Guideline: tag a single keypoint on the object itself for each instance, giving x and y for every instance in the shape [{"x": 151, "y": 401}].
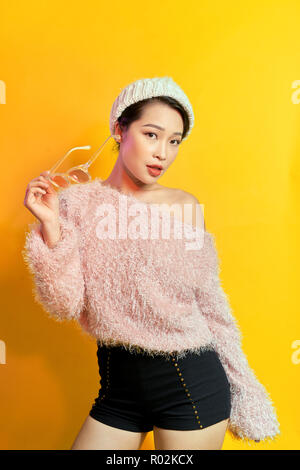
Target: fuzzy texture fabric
[{"x": 146, "y": 293}]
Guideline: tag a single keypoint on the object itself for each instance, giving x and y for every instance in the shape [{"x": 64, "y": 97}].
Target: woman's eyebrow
[{"x": 161, "y": 128}]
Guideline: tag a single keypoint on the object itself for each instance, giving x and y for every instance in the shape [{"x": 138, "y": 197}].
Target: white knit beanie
[{"x": 148, "y": 88}]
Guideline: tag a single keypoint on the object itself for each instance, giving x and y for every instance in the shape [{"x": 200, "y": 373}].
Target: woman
[{"x": 169, "y": 350}]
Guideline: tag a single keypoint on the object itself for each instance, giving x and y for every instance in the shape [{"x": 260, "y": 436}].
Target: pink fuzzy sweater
[{"x": 150, "y": 290}]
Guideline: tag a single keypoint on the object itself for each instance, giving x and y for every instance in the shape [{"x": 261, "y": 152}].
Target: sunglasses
[{"x": 77, "y": 174}]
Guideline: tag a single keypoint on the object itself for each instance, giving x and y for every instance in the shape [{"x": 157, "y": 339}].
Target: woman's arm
[
  {"x": 252, "y": 414},
  {"x": 58, "y": 278}
]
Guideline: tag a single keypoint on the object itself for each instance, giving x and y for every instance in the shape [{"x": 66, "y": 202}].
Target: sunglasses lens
[
  {"x": 79, "y": 176},
  {"x": 60, "y": 181}
]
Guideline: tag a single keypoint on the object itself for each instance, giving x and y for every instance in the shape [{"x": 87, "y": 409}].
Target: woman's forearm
[{"x": 51, "y": 232}]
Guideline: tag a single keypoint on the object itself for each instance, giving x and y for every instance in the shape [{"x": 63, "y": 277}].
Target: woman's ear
[{"x": 117, "y": 132}]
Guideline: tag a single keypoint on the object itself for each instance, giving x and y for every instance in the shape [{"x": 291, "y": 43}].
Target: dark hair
[{"x": 134, "y": 112}]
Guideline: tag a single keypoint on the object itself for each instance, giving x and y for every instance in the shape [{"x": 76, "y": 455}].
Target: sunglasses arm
[
  {"x": 95, "y": 155},
  {"x": 85, "y": 147}
]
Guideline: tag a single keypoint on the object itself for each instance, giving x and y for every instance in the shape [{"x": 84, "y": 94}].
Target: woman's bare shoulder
[{"x": 194, "y": 216}]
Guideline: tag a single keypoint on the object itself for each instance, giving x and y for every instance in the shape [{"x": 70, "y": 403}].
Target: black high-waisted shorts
[{"x": 139, "y": 391}]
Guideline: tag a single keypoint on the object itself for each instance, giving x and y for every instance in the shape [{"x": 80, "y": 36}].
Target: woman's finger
[
  {"x": 38, "y": 190},
  {"x": 35, "y": 183}
]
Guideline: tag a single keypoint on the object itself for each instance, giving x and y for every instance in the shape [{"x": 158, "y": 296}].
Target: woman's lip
[{"x": 153, "y": 171}]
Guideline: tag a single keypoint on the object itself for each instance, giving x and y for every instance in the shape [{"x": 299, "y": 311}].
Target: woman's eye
[
  {"x": 153, "y": 133},
  {"x": 150, "y": 133}
]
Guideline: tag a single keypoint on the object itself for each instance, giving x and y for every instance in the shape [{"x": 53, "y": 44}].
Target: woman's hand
[{"x": 42, "y": 200}]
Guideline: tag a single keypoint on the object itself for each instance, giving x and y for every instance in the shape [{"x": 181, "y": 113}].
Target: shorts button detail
[
  {"x": 107, "y": 376},
  {"x": 188, "y": 394}
]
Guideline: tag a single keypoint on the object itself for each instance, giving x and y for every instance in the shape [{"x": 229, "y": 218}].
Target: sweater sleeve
[
  {"x": 252, "y": 414},
  {"x": 57, "y": 273}
]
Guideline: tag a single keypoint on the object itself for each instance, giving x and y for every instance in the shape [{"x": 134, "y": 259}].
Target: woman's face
[{"x": 143, "y": 144}]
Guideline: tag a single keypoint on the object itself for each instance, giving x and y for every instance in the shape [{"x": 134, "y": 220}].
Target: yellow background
[{"x": 63, "y": 64}]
